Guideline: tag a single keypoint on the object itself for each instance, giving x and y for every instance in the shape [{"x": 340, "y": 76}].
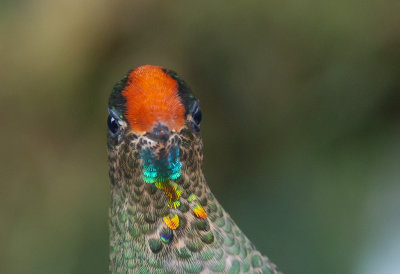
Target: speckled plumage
[{"x": 206, "y": 239}]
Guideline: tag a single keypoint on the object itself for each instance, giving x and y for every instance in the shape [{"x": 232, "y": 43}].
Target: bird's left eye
[
  {"x": 196, "y": 115},
  {"x": 113, "y": 124}
]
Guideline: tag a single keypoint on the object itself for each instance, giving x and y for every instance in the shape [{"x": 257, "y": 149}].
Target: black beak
[{"x": 160, "y": 133}]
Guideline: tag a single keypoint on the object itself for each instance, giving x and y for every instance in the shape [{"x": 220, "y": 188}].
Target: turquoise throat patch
[{"x": 166, "y": 168}]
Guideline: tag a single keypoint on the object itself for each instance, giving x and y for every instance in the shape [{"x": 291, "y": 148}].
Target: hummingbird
[{"x": 163, "y": 216}]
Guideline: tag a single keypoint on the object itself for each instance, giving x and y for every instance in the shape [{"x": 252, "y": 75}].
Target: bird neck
[
  {"x": 156, "y": 206},
  {"x": 151, "y": 234}
]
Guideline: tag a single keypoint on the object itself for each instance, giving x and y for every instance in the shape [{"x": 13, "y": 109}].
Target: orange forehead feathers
[{"x": 152, "y": 97}]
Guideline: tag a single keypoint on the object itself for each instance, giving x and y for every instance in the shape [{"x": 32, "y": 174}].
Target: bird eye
[
  {"x": 196, "y": 114},
  {"x": 113, "y": 124}
]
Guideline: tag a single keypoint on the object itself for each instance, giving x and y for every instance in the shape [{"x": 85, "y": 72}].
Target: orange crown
[{"x": 151, "y": 97}]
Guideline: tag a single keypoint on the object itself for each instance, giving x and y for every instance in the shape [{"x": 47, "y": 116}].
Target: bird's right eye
[{"x": 113, "y": 125}]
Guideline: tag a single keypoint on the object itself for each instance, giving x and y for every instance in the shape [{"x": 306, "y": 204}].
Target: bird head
[{"x": 154, "y": 125}]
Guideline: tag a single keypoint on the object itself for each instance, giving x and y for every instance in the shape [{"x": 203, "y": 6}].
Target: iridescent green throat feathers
[{"x": 163, "y": 216}]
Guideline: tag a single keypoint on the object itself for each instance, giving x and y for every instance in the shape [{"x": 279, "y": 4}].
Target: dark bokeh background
[{"x": 301, "y": 107}]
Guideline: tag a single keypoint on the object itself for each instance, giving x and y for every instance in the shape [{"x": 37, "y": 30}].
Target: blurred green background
[{"x": 301, "y": 105}]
